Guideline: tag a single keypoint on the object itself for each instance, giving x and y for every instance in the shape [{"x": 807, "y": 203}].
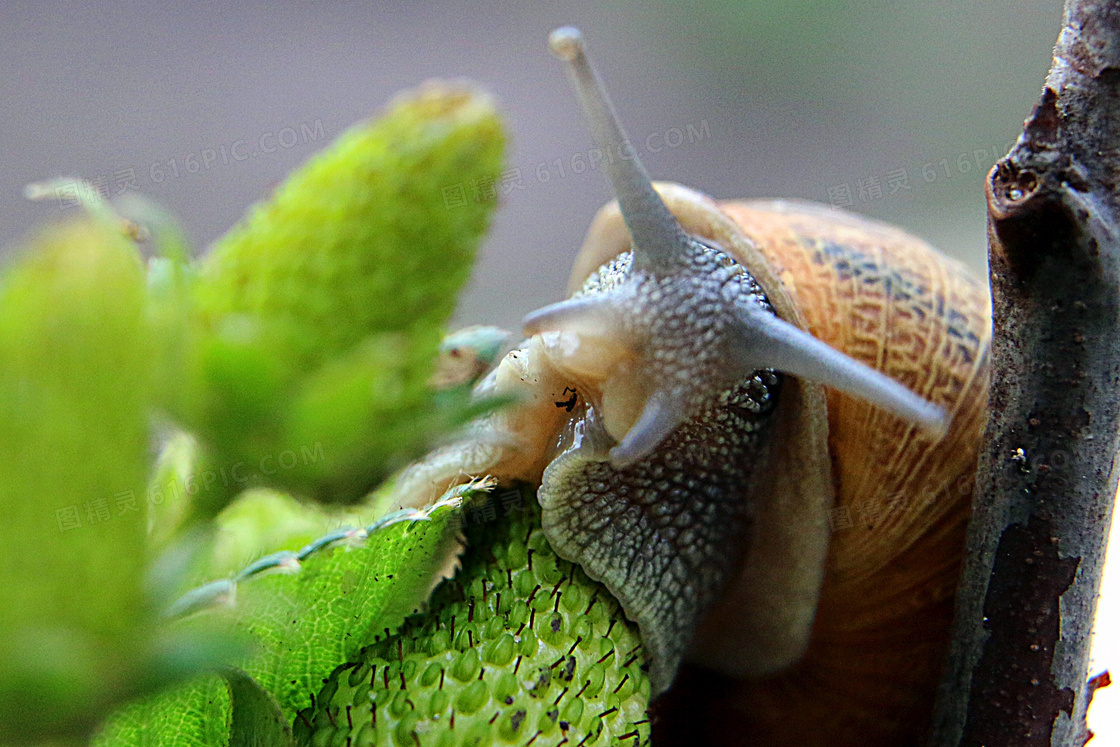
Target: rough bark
[{"x": 1017, "y": 673}]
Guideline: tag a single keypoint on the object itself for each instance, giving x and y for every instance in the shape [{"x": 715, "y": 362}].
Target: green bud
[
  {"x": 514, "y": 682},
  {"x": 318, "y": 318}
]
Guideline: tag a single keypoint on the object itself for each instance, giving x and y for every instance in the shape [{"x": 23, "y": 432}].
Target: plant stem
[{"x": 1018, "y": 664}]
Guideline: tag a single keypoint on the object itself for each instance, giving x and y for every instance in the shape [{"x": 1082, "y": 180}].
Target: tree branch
[{"x": 1019, "y": 658}]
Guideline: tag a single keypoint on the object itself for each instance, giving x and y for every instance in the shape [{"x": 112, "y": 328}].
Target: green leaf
[
  {"x": 320, "y": 315},
  {"x": 308, "y": 623},
  {"x": 259, "y": 521},
  {"x": 304, "y": 624},
  {"x": 75, "y": 383},
  {"x": 170, "y": 487},
  {"x": 196, "y": 714},
  {"x": 264, "y": 521},
  {"x": 257, "y": 720}
]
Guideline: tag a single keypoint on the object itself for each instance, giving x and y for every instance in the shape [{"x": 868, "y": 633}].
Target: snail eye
[{"x": 608, "y": 275}]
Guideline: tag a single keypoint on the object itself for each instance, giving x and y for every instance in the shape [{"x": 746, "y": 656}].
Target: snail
[{"x": 756, "y": 422}]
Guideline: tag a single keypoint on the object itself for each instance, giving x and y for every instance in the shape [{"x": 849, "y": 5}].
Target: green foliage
[
  {"x": 298, "y": 354},
  {"x": 308, "y": 622},
  {"x": 256, "y": 719},
  {"x": 190, "y": 715},
  {"x": 76, "y": 633},
  {"x": 519, "y": 645},
  {"x": 201, "y": 600},
  {"x": 320, "y": 315},
  {"x": 230, "y": 710},
  {"x": 306, "y": 611}
]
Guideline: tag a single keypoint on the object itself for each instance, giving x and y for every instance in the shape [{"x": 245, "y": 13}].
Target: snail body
[{"x": 755, "y": 423}]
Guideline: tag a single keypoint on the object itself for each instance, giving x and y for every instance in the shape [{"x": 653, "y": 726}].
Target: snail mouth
[
  {"x": 649, "y": 351},
  {"x": 606, "y": 371}
]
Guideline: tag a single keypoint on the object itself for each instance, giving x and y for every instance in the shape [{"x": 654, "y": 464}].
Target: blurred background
[{"x": 894, "y": 110}]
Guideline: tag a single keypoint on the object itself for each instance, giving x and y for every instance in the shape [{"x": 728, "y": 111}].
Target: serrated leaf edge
[{"x": 223, "y": 592}]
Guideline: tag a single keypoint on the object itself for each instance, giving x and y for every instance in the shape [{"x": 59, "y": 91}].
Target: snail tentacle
[
  {"x": 769, "y": 342},
  {"x": 652, "y": 350},
  {"x": 657, "y": 235},
  {"x": 661, "y": 414},
  {"x": 663, "y": 249},
  {"x": 592, "y": 315}
]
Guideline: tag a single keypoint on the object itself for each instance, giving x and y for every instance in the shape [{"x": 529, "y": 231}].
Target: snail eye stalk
[
  {"x": 749, "y": 338},
  {"x": 659, "y": 241}
]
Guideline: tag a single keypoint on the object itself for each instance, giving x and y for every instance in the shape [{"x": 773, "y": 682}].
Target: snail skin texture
[{"x": 756, "y": 422}]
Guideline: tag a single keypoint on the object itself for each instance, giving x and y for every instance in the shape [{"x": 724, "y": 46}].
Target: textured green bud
[
  {"x": 361, "y": 239},
  {"x": 499, "y": 650},
  {"x": 439, "y": 701},
  {"x": 522, "y": 673},
  {"x": 318, "y": 318},
  {"x": 472, "y": 697}
]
